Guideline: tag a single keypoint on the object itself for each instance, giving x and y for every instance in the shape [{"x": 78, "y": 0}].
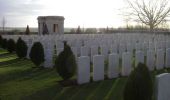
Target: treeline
[{"x": 135, "y": 29}]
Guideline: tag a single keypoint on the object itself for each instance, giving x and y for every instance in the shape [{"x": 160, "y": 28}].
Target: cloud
[
  {"x": 93, "y": 13},
  {"x": 19, "y": 7}
]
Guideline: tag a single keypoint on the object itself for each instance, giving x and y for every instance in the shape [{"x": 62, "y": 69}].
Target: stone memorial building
[{"x": 50, "y": 25}]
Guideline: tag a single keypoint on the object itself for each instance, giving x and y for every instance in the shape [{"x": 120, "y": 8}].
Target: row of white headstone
[
  {"x": 88, "y": 44},
  {"x": 137, "y": 41},
  {"x": 113, "y": 71},
  {"x": 153, "y": 47}
]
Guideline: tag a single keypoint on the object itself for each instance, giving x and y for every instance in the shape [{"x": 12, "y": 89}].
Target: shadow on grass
[
  {"x": 48, "y": 93},
  {"x": 80, "y": 92},
  {"x": 5, "y": 54},
  {"x": 9, "y": 62},
  {"x": 39, "y": 74},
  {"x": 24, "y": 71},
  {"x": 102, "y": 90},
  {"x": 28, "y": 74}
]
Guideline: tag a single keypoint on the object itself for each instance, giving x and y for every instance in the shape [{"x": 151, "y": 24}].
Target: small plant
[
  {"x": 21, "y": 48},
  {"x": 139, "y": 84},
  {"x": 66, "y": 63},
  {"x": 11, "y": 45},
  {"x": 37, "y": 54}
]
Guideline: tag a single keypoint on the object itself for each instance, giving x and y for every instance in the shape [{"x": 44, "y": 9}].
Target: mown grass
[
  {"x": 2, "y": 51},
  {"x": 20, "y": 81},
  {"x": 7, "y": 57}
]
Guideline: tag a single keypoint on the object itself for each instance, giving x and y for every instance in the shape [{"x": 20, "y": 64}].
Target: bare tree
[
  {"x": 3, "y": 24},
  {"x": 149, "y": 12}
]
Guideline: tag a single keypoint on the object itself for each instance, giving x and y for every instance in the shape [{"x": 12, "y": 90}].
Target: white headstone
[
  {"x": 151, "y": 46},
  {"x": 129, "y": 47},
  {"x": 163, "y": 86},
  {"x": 160, "y": 59},
  {"x": 114, "y": 48},
  {"x": 138, "y": 47},
  {"x": 84, "y": 51},
  {"x": 78, "y": 45},
  {"x": 150, "y": 60},
  {"x": 94, "y": 51},
  {"x": 145, "y": 48},
  {"x": 83, "y": 70},
  {"x": 105, "y": 51},
  {"x": 113, "y": 68},
  {"x": 122, "y": 48},
  {"x": 30, "y": 44},
  {"x": 168, "y": 57},
  {"x": 139, "y": 57},
  {"x": 126, "y": 64},
  {"x": 49, "y": 51},
  {"x": 98, "y": 67}
]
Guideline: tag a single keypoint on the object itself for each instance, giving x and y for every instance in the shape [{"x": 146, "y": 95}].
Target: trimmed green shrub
[
  {"x": 4, "y": 43},
  {"x": 1, "y": 41},
  {"x": 37, "y": 54},
  {"x": 11, "y": 45},
  {"x": 66, "y": 63},
  {"x": 139, "y": 84},
  {"x": 21, "y": 48},
  {"x": 27, "y": 32}
]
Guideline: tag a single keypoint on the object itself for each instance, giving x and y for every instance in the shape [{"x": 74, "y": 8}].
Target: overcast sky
[{"x": 87, "y": 13}]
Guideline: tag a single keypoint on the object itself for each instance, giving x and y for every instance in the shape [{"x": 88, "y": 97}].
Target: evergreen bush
[
  {"x": 37, "y": 54},
  {"x": 11, "y": 45},
  {"x": 1, "y": 41},
  {"x": 4, "y": 43},
  {"x": 21, "y": 48},
  {"x": 139, "y": 84},
  {"x": 66, "y": 63}
]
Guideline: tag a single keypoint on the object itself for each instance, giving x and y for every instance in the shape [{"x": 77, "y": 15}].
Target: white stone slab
[
  {"x": 113, "y": 68},
  {"x": 160, "y": 59},
  {"x": 83, "y": 70},
  {"x": 138, "y": 47},
  {"x": 150, "y": 60},
  {"x": 145, "y": 48},
  {"x": 49, "y": 53},
  {"x": 168, "y": 58},
  {"x": 94, "y": 51},
  {"x": 114, "y": 48},
  {"x": 105, "y": 51},
  {"x": 129, "y": 47},
  {"x": 122, "y": 48},
  {"x": 98, "y": 67},
  {"x": 126, "y": 64},
  {"x": 151, "y": 46},
  {"x": 163, "y": 86},
  {"x": 139, "y": 57},
  {"x": 84, "y": 51},
  {"x": 28, "y": 51}
]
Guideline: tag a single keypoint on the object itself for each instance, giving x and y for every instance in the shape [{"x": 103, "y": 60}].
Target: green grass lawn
[
  {"x": 19, "y": 81},
  {"x": 2, "y": 51}
]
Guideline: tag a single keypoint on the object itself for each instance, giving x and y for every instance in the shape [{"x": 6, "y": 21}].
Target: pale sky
[{"x": 87, "y": 13}]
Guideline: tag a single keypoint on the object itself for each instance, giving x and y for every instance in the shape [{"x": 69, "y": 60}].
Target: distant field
[
  {"x": 32, "y": 29},
  {"x": 19, "y": 81}
]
